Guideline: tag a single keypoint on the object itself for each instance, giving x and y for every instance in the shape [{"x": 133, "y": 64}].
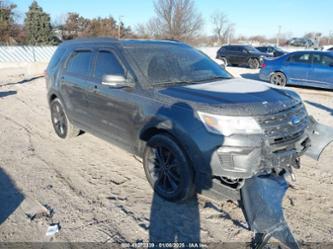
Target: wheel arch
[
  {"x": 52, "y": 97},
  {"x": 188, "y": 147},
  {"x": 149, "y": 132}
]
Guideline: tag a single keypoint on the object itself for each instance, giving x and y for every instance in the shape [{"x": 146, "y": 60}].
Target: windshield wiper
[
  {"x": 213, "y": 79},
  {"x": 173, "y": 83},
  {"x": 184, "y": 82}
]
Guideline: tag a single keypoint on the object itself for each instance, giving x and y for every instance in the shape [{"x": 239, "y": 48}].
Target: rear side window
[
  {"x": 80, "y": 63},
  {"x": 56, "y": 57},
  {"x": 107, "y": 63},
  {"x": 232, "y": 48},
  {"x": 300, "y": 58}
]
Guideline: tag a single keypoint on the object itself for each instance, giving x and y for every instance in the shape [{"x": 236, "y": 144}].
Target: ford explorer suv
[
  {"x": 241, "y": 55},
  {"x": 196, "y": 127}
]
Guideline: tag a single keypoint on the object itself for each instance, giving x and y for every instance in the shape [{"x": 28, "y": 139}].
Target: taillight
[{"x": 263, "y": 65}]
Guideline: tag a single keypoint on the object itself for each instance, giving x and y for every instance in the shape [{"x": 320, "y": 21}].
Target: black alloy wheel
[
  {"x": 62, "y": 126},
  {"x": 167, "y": 169}
]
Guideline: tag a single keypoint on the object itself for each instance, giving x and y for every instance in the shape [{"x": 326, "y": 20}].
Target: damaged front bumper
[{"x": 258, "y": 173}]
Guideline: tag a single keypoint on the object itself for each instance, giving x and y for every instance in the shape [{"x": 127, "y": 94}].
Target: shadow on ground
[
  {"x": 21, "y": 81},
  {"x": 320, "y": 106},
  {"x": 10, "y": 196},
  {"x": 8, "y": 93},
  {"x": 174, "y": 222}
]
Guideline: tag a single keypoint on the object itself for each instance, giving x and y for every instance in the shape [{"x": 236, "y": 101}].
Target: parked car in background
[
  {"x": 272, "y": 50},
  {"x": 241, "y": 55},
  {"x": 301, "y": 42},
  {"x": 304, "y": 68},
  {"x": 330, "y": 49}
]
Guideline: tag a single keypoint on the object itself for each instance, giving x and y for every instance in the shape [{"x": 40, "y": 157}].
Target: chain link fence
[{"x": 10, "y": 54}]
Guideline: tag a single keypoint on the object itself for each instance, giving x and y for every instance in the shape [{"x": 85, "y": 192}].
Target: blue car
[{"x": 304, "y": 68}]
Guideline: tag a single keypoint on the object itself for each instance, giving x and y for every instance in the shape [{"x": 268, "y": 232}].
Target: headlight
[{"x": 228, "y": 125}]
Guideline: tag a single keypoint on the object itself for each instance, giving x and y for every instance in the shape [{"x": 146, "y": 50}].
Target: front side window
[
  {"x": 300, "y": 58},
  {"x": 107, "y": 63},
  {"x": 80, "y": 63},
  {"x": 327, "y": 60}
]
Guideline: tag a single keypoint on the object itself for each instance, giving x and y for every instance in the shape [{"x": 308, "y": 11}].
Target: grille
[{"x": 285, "y": 126}]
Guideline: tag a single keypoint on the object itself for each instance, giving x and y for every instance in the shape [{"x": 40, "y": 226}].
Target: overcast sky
[{"x": 250, "y": 17}]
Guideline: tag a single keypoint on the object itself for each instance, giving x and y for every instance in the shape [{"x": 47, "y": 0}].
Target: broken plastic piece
[
  {"x": 262, "y": 206},
  {"x": 320, "y": 136},
  {"x": 53, "y": 229}
]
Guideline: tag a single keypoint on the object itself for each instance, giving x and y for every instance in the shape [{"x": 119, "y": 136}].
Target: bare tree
[
  {"x": 223, "y": 30},
  {"x": 151, "y": 29},
  {"x": 177, "y": 19}
]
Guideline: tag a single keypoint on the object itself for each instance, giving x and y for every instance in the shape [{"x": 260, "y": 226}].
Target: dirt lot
[{"x": 99, "y": 192}]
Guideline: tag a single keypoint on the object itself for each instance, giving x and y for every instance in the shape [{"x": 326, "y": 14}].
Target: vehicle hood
[{"x": 232, "y": 97}]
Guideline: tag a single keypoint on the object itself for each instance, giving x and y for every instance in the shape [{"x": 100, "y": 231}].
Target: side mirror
[{"x": 116, "y": 81}]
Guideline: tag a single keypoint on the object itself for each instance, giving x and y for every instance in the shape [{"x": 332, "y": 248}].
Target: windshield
[
  {"x": 278, "y": 49},
  {"x": 174, "y": 64}
]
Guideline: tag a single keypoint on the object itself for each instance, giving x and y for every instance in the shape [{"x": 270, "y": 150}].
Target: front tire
[
  {"x": 62, "y": 126},
  {"x": 278, "y": 79},
  {"x": 167, "y": 169},
  {"x": 254, "y": 63}
]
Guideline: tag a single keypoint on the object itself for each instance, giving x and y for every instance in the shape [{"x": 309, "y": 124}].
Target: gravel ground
[{"x": 99, "y": 193}]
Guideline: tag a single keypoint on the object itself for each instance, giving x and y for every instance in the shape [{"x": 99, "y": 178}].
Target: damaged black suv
[{"x": 196, "y": 128}]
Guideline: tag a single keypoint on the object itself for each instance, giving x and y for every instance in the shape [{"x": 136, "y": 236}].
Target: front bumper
[{"x": 256, "y": 156}]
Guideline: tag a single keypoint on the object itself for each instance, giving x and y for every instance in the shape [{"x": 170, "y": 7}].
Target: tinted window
[
  {"x": 233, "y": 48},
  {"x": 80, "y": 63},
  {"x": 56, "y": 57},
  {"x": 262, "y": 49},
  {"x": 238, "y": 49},
  {"x": 107, "y": 63},
  {"x": 316, "y": 59},
  {"x": 300, "y": 58},
  {"x": 252, "y": 49},
  {"x": 270, "y": 50},
  {"x": 327, "y": 60}
]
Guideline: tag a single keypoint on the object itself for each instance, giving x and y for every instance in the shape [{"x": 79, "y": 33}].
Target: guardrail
[{"x": 9, "y": 54}]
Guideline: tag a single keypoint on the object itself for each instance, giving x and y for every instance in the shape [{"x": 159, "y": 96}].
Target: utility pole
[
  {"x": 278, "y": 36},
  {"x": 119, "y": 28}
]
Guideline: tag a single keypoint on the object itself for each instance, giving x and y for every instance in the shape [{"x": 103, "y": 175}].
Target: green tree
[
  {"x": 74, "y": 26},
  {"x": 8, "y": 28},
  {"x": 38, "y": 26}
]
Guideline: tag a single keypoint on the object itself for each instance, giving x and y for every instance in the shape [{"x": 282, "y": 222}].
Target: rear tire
[
  {"x": 167, "y": 169},
  {"x": 254, "y": 63},
  {"x": 278, "y": 79},
  {"x": 62, "y": 126}
]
